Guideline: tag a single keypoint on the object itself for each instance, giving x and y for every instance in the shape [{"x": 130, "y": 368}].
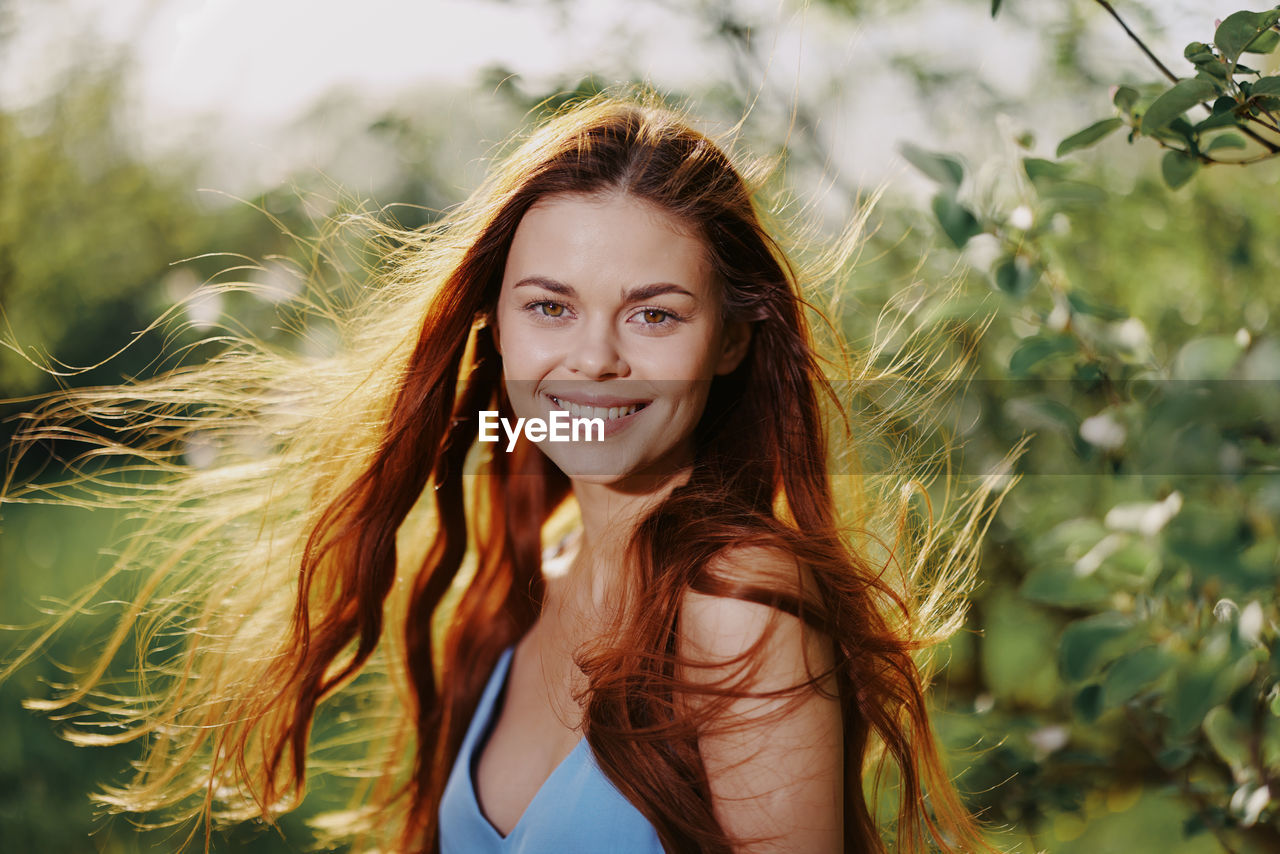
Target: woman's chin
[
  {"x": 589, "y": 465},
  {"x": 606, "y": 466}
]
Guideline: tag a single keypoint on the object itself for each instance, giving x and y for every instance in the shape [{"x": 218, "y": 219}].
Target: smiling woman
[
  {"x": 608, "y": 303},
  {"x": 705, "y": 663}
]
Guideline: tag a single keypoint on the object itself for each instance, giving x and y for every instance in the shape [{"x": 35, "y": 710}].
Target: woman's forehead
[{"x": 615, "y": 237}]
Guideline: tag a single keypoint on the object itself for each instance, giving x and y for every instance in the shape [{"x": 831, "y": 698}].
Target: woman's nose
[{"x": 595, "y": 353}]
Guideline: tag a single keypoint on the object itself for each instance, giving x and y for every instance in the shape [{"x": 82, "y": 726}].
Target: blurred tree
[{"x": 1139, "y": 557}]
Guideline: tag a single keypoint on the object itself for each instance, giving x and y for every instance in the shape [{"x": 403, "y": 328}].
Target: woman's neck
[{"x": 610, "y": 514}]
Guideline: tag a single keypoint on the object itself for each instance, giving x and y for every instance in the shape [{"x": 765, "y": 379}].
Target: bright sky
[
  {"x": 258, "y": 58},
  {"x": 238, "y": 70}
]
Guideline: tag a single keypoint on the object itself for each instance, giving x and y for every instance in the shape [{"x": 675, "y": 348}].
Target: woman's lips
[{"x": 616, "y": 413}]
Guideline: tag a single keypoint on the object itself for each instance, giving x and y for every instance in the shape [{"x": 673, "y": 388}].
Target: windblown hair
[{"x": 338, "y": 547}]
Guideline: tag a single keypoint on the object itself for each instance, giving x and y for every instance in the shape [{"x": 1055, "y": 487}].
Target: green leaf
[
  {"x": 1015, "y": 276},
  {"x": 1175, "y": 757},
  {"x": 1062, "y": 587},
  {"x": 1264, "y": 43},
  {"x": 1082, "y": 303},
  {"x": 1089, "y": 136},
  {"x": 1133, "y": 672},
  {"x": 1195, "y": 49},
  {"x": 1226, "y": 140},
  {"x": 1178, "y": 168},
  {"x": 943, "y": 168},
  {"x": 1172, "y": 103},
  {"x": 1229, "y": 737},
  {"x": 1087, "y": 704},
  {"x": 1037, "y": 349},
  {"x": 1236, "y": 32},
  {"x": 1217, "y": 120},
  {"x": 956, "y": 220},
  {"x": 1037, "y": 168},
  {"x": 1179, "y": 130},
  {"x": 1200, "y": 686},
  {"x": 1087, "y": 644},
  {"x": 1211, "y": 70},
  {"x": 1064, "y": 193},
  {"x": 1266, "y": 86},
  {"x": 995, "y": 7},
  {"x": 1124, "y": 98}
]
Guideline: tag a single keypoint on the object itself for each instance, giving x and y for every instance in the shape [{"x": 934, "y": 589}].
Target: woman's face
[{"x": 609, "y": 309}]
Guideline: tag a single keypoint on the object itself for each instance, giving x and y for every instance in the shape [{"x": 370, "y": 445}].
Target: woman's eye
[
  {"x": 549, "y": 309},
  {"x": 655, "y": 316}
]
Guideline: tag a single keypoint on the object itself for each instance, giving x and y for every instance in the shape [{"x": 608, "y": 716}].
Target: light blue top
[{"x": 577, "y": 810}]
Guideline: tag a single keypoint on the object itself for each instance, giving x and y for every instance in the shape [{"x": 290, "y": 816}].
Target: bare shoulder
[
  {"x": 774, "y": 751},
  {"x": 725, "y": 627}
]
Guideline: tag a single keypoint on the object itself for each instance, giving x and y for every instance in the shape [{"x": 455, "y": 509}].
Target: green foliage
[
  {"x": 1090, "y": 135},
  {"x": 1172, "y": 103},
  {"x": 945, "y": 169},
  {"x": 1089, "y": 643},
  {"x": 1241, "y": 31},
  {"x": 1014, "y": 275},
  {"x": 91, "y": 237},
  {"x": 1178, "y": 168},
  {"x": 1233, "y": 94},
  {"x": 1142, "y": 539},
  {"x": 957, "y": 221}
]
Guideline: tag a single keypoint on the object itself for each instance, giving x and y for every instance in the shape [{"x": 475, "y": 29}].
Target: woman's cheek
[
  {"x": 679, "y": 359},
  {"x": 529, "y": 353}
]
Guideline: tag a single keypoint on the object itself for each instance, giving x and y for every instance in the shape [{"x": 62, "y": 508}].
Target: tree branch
[
  {"x": 1173, "y": 78},
  {"x": 1259, "y": 138},
  {"x": 1164, "y": 69}
]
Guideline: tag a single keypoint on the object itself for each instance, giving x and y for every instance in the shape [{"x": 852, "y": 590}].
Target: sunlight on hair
[{"x": 239, "y": 470}]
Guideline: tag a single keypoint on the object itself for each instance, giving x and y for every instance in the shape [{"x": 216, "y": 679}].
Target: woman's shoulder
[
  {"x": 762, "y": 687},
  {"x": 748, "y": 601}
]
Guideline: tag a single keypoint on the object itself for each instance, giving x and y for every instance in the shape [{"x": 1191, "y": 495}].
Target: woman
[{"x": 713, "y": 667}]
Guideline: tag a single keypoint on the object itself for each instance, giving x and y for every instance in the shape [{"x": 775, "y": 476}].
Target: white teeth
[{"x": 609, "y": 413}]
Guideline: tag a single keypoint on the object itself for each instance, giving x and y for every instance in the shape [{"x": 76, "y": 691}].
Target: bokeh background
[{"x": 1115, "y": 687}]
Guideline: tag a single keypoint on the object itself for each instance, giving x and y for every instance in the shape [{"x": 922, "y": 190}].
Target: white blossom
[
  {"x": 1103, "y": 431},
  {"x": 1251, "y": 620},
  {"x": 1021, "y": 218},
  {"x": 1146, "y": 518},
  {"x": 1049, "y": 739}
]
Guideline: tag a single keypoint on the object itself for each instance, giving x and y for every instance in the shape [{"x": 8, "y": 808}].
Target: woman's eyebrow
[
  {"x": 647, "y": 292},
  {"x": 640, "y": 294},
  {"x": 547, "y": 284}
]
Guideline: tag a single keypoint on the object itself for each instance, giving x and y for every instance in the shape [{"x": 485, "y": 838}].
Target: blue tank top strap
[{"x": 577, "y": 809}]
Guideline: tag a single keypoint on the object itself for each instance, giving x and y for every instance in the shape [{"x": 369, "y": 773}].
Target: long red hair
[
  {"x": 760, "y": 446},
  {"x": 760, "y": 476}
]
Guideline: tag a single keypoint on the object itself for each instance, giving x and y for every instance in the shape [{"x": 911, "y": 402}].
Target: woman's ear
[{"x": 736, "y": 339}]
